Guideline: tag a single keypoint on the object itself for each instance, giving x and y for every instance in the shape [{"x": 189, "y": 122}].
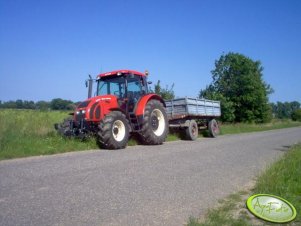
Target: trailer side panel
[{"x": 192, "y": 107}]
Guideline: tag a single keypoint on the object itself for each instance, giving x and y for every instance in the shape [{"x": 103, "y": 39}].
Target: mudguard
[{"x": 139, "y": 111}]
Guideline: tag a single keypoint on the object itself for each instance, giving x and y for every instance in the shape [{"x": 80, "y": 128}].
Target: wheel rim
[
  {"x": 118, "y": 130},
  {"x": 157, "y": 122}
]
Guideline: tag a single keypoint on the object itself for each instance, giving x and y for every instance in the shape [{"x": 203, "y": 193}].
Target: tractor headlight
[{"x": 81, "y": 112}]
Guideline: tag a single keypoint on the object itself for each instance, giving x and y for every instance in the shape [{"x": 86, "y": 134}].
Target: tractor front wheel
[
  {"x": 113, "y": 131},
  {"x": 155, "y": 124}
]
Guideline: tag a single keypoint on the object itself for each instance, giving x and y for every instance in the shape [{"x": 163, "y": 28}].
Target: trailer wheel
[
  {"x": 113, "y": 131},
  {"x": 213, "y": 127},
  {"x": 155, "y": 125},
  {"x": 192, "y": 132}
]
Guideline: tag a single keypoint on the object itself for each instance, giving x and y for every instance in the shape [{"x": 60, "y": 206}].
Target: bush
[{"x": 296, "y": 115}]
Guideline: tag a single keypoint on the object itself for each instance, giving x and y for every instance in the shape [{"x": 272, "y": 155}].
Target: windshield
[
  {"x": 111, "y": 85},
  {"x": 128, "y": 86}
]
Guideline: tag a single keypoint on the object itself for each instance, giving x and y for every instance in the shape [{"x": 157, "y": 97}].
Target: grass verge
[
  {"x": 246, "y": 128},
  {"x": 28, "y": 132},
  {"x": 282, "y": 178}
]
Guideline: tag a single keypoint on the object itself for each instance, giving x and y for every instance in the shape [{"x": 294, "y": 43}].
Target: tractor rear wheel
[
  {"x": 213, "y": 127},
  {"x": 113, "y": 131},
  {"x": 155, "y": 124}
]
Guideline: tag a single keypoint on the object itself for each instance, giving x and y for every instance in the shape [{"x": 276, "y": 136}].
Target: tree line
[
  {"x": 54, "y": 104},
  {"x": 287, "y": 110},
  {"x": 280, "y": 110},
  {"x": 284, "y": 110}
]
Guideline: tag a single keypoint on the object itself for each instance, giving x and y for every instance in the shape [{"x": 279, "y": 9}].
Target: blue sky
[{"x": 48, "y": 48}]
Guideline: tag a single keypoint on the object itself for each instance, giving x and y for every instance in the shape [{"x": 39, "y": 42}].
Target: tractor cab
[{"x": 128, "y": 86}]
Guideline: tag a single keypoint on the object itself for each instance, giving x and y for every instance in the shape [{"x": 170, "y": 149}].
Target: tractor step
[{"x": 134, "y": 122}]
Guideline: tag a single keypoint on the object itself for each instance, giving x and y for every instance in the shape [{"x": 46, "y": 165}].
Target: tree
[
  {"x": 296, "y": 115},
  {"x": 19, "y": 104},
  {"x": 295, "y": 105},
  {"x": 60, "y": 104},
  {"x": 227, "y": 106},
  {"x": 238, "y": 82},
  {"x": 284, "y": 110},
  {"x": 165, "y": 93},
  {"x": 43, "y": 105},
  {"x": 9, "y": 104},
  {"x": 28, "y": 105}
]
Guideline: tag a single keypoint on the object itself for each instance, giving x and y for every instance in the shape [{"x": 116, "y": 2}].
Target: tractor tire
[
  {"x": 192, "y": 132},
  {"x": 155, "y": 124},
  {"x": 113, "y": 131},
  {"x": 63, "y": 129},
  {"x": 213, "y": 128}
]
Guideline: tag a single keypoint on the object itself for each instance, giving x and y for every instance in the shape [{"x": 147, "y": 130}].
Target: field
[{"x": 29, "y": 132}]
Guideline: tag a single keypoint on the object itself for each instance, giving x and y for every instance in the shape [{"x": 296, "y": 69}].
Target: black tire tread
[
  {"x": 210, "y": 125},
  {"x": 105, "y": 138},
  {"x": 189, "y": 135},
  {"x": 147, "y": 135}
]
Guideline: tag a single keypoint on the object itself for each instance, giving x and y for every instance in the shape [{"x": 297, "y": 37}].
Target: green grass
[
  {"x": 28, "y": 132},
  {"x": 246, "y": 128},
  {"x": 282, "y": 178},
  {"x": 229, "y": 212}
]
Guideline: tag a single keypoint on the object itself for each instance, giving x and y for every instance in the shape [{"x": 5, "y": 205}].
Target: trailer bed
[{"x": 192, "y": 108}]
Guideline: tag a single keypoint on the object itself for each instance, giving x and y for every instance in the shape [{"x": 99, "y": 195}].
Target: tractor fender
[{"x": 139, "y": 111}]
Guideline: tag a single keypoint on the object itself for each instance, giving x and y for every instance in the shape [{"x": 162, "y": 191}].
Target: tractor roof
[{"x": 120, "y": 72}]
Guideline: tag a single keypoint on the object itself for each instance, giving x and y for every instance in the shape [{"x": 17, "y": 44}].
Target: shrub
[{"x": 296, "y": 115}]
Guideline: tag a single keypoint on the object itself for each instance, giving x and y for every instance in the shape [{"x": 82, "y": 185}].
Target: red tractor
[{"x": 122, "y": 105}]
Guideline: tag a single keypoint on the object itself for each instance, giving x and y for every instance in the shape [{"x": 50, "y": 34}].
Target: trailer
[{"x": 190, "y": 114}]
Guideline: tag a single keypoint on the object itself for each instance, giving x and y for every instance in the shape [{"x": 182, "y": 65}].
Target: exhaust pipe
[{"x": 89, "y": 84}]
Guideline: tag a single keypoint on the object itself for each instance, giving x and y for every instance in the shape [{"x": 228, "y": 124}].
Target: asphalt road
[{"x": 141, "y": 185}]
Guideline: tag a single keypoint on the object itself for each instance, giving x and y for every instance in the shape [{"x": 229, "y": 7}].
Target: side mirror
[{"x": 149, "y": 82}]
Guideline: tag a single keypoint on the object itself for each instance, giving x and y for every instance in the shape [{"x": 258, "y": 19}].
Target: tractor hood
[
  {"x": 98, "y": 99},
  {"x": 93, "y": 109}
]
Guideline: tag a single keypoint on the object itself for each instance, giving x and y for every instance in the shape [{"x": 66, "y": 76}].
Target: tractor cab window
[
  {"x": 111, "y": 85},
  {"x": 133, "y": 89},
  {"x": 136, "y": 86}
]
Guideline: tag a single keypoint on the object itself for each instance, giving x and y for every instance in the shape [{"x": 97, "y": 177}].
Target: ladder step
[{"x": 134, "y": 122}]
